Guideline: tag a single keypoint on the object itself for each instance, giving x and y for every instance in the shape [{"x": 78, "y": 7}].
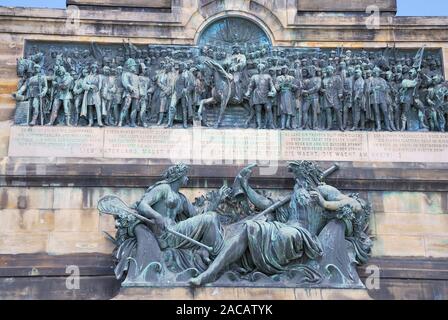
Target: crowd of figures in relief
[
  {"x": 238, "y": 85},
  {"x": 315, "y": 236}
]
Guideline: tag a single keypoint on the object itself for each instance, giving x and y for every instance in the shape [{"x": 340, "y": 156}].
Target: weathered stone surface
[
  {"x": 284, "y": 28},
  {"x": 346, "y": 5},
  {"x": 23, "y": 242},
  {"x": 4, "y": 137},
  {"x": 411, "y": 224},
  {"x": 436, "y": 246},
  {"x": 90, "y": 196},
  {"x": 331, "y": 294},
  {"x": 68, "y": 198},
  {"x": 123, "y": 3},
  {"x": 408, "y": 202},
  {"x": 445, "y": 59},
  {"x": 399, "y": 246},
  {"x": 33, "y": 287},
  {"x": 78, "y": 242},
  {"x": 76, "y": 221},
  {"x": 413, "y": 227},
  {"x": 7, "y": 113},
  {"x": 15, "y": 221},
  {"x": 411, "y": 289},
  {"x": 417, "y": 278},
  {"x": 242, "y": 294},
  {"x": 154, "y": 294},
  {"x": 107, "y": 224},
  {"x": 26, "y": 198}
]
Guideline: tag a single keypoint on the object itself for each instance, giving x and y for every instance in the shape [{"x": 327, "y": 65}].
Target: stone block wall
[
  {"x": 64, "y": 220},
  {"x": 57, "y": 226}
]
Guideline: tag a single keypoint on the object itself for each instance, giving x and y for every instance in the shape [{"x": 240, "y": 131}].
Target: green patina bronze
[{"x": 314, "y": 237}]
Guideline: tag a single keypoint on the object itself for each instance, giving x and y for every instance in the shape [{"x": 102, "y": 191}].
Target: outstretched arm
[
  {"x": 259, "y": 201},
  {"x": 336, "y": 205},
  {"x": 328, "y": 205}
]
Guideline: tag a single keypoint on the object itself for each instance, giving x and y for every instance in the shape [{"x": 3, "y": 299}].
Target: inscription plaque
[
  {"x": 328, "y": 146},
  {"x": 56, "y": 142},
  {"x": 237, "y": 145},
  {"x": 154, "y": 143},
  {"x": 408, "y": 147},
  {"x": 227, "y": 146}
]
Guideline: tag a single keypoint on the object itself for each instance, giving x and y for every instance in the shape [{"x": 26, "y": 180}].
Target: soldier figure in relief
[
  {"x": 378, "y": 98},
  {"x": 408, "y": 97},
  {"x": 180, "y": 95},
  {"x": 368, "y": 104},
  {"x": 163, "y": 81},
  {"x": 62, "y": 84},
  {"x": 286, "y": 87},
  {"x": 78, "y": 92},
  {"x": 391, "y": 99},
  {"x": 145, "y": 95},
  {"x": 107, "y": 95},
  {"x": 312, "y": 86},
  {"x": 332, "y": 89},
  {"x": 436, "y": 100},
  {"x": 348, "y": 95},
  {"x": 35, "y": 89},
  {"x": 261, "y": 89},
  {"x": 130, "y": 82},
  {"x": 118, "y": 95},
  {"x": 237, "y": 66},
  {"x": 92, "y": 98},
  {"x": 359, "y": 102}
]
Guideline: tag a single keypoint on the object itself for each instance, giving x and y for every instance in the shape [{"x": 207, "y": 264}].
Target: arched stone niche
[{"x": 226, "y": 31}]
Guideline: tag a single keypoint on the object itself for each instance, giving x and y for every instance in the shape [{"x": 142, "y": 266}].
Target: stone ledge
[
  {"x": 96, "y": 172},
  {"x": 99, "y": 264},
  {"x": 345, "y": 6},
  {"x": 123, "y": 3},
  {"x": 216, "y": 293},
  {"x": 41, "y": 276},
  {"x": 181, "y": 24}
]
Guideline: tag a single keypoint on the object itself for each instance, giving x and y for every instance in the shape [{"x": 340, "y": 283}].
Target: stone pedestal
[{"x": 215, "y": 293}]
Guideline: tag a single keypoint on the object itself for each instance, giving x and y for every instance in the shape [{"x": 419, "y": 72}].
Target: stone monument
[{"x": 286, "y": 149}]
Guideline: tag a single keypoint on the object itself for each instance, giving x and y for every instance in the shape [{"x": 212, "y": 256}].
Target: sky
[{"x": 405, "y": 7}]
